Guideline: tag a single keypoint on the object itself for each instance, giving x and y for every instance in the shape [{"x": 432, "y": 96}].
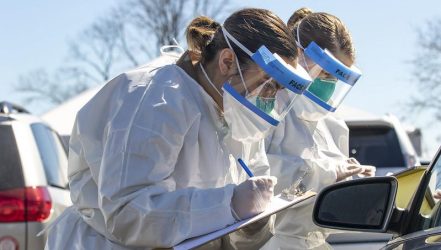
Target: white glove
[
  {"x": 368, "y": 170},
  {"x": 252, "y": 196},
  {"x": 353, "y": 167},
  {"x": 346, "y": 170}
]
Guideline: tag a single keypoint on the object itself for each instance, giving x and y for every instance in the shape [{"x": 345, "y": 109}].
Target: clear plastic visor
[
  {"x": 272, "y": 97},
  {"x": 332, "y": 80},
  {"x": 270, "y": 100}
]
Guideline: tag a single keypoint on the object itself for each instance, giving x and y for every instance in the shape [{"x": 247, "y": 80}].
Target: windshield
[{"x": 375, "y": 145}]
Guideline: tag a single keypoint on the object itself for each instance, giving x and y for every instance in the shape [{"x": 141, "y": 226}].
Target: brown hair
[
  {"x": 324, "y": 29},
  {"x": 199, "y": 32},
  {"x": 251, "y": 27}
]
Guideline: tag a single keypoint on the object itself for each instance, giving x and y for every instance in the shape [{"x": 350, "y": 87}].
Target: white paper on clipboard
[{"x": 277, "y": 204}]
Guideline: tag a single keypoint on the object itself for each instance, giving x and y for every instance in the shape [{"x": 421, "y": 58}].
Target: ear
[{"x": 226, "y": 62}]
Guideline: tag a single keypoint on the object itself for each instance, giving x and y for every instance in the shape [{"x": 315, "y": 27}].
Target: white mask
[
  {"x": 245, "y": 125},
  {"x": 308, "y": 110}
]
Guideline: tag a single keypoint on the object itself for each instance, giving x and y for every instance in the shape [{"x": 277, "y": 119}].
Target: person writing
[{"x": 148, "y": 164}]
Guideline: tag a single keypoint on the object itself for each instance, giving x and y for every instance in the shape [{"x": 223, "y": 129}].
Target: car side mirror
[{"x": 361, "y": 204}]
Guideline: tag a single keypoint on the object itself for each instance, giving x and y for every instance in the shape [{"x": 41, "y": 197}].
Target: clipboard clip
[{"x": 298, "y": 188}]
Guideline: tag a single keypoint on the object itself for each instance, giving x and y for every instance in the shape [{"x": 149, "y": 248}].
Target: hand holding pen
[{"x": 253, "y": 195}]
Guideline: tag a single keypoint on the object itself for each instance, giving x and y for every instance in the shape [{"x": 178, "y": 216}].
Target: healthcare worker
[
  {"x": 309, "y": 149},
  {"x": 148, "y": 165}
]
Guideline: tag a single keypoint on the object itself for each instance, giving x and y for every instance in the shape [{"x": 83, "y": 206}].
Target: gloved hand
[
  {"x": 252, "y": 196},
  {"x": 368, "y": 170},
  {"x": 346, "y": 170},
  {"x": 352, "y": 167}
]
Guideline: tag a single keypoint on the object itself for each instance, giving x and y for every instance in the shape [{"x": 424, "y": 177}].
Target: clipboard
[{"x": 277, "y": 204}]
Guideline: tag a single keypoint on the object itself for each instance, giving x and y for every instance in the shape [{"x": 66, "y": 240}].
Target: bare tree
[
  {"x": 95, "y": 49},
  {"x": 166, "y": 20},
  {"x": 127, "y": 36},
  {"x": 427, "y": 70},
  {"x": 38, "y": 85}
]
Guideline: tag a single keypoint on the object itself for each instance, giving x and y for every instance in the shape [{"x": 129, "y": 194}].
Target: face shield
[
  {"x": 332, "y": 79},
  {"x": 272, "y": 98}
]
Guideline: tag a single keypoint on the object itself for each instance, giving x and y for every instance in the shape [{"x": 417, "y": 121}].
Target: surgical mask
[
  {"x": 245, "y": 126},
  {"x": 253, "y": 114},
  {"x": 264, "y": 97},
  {"x": 322, "y": 88},
  {"x": 247, "y": 113},
  {"x": 266, "y": 104},
  {"x": 327, "y": 94},
  {"x": 307, "y": 110}
]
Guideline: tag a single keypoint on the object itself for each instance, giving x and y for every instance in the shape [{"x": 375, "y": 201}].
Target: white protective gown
[
  {"x": 298, "y": 146},
  {"x": 148, "y": 165}
]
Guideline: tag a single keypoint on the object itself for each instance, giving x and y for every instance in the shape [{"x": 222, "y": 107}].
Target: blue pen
[{"x": 244, "y": 166}]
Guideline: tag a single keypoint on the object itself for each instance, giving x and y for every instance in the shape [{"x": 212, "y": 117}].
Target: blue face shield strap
[
  {"x": 332, "y": 65},
  {"x": 296, "y": 80},
  {"x": 227, "y": 87},
  {"x": 319, "y": 101},
  {"x": 279, "y": 70}
]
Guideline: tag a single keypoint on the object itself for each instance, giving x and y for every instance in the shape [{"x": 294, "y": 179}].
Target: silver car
[
  {"x": 33, "y": 178},
  {"x": 381, "y": 142}
]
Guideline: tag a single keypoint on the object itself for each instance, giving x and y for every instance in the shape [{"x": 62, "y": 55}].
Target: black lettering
[
  {"x": 296, "y": 85},
  {"x": 342, "y": 74}
]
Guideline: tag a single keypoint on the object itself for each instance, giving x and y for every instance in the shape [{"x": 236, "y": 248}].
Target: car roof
[
  {"x": 12, "y": 112},
  {"x": 369, "y": 122}
]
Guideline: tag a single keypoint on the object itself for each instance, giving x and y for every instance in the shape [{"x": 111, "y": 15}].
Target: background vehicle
[
  {"x": 404, "y": 205},
  {"x": 33, "y": 178},
  {"x": 381, "y": 142}
]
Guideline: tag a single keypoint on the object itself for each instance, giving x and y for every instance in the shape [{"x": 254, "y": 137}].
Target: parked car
[
  {"x": 33, "y": 178},
  {"x": 404, "y": 205},
  {"x": 381, "y": 142}
]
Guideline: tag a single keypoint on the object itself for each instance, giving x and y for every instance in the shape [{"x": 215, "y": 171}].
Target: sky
[{"x": 35, "y": 35}]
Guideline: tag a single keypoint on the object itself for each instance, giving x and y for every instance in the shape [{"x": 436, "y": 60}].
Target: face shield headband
[
  {"x": 295, "y": 79},
  {"x": 267, "y": 101}
]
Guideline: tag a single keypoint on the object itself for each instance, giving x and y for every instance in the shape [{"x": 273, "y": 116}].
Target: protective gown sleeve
[{"x": 137, "y": 191}]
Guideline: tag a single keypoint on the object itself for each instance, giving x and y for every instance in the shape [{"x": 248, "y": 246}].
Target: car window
[
  {"x": 52, "y": 155},
  {"x": 375, "y": 145},
  {"x": 11, "y": 175}
]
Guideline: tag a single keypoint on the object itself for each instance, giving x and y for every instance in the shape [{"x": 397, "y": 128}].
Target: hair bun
[
  {"x": 298, "y": 16},
  {"x": 200, "y": 32}
]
